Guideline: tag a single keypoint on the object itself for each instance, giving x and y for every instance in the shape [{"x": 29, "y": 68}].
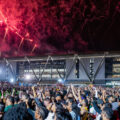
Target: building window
[{"x": 112, "y": 67}]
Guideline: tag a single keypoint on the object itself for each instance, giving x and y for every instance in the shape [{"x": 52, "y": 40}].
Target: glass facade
[
  {"x": 112, "y": 67},
  {"x": 42, "y": 69}
]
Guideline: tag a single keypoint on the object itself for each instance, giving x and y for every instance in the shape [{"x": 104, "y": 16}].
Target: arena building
[{"x": 101, "y": 69}]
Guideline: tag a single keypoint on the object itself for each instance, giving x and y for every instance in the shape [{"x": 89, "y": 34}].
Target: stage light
[
  {"x": 27, "y": 76},
  {"x": 12, "y": 80},
  {"x": 60, "y": 80}
]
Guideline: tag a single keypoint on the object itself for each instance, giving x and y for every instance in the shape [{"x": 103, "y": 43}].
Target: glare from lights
[
  {"x": 11, "y": 80},
  {"x": 27, "y": 77},
  {"x": 60, "y": 80},
  {"x": 0, "y": 71}
]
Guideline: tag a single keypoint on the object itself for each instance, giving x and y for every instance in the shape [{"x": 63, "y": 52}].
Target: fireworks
[
  {"x": 13, "y": 29},
  {"x": 39, "y": 26},
  {"x": 33, "y": 48}
]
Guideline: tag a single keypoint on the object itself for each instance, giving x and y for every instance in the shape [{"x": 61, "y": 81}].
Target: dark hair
[
  {"x": 108, "y": 105},
  {"x": 71, "y": 100},
  {"x": 47, "y": 99},
  {"x": 62, "y": 114},
  {"x": 26, "y": 95},
  {"x": 17, "y": 113},
  {"x": 108, "y": 113},
  {"x": 11, "y": 99},
  {"x": 16, "y": 99},
  {"x": 43, "y": 112}
]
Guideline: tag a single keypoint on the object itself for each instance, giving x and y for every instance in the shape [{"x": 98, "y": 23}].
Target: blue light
[
  {"x": 60, "y": 80},
  {"x": 12, "y": 80}
]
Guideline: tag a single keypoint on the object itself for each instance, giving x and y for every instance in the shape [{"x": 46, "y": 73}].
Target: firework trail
[{"x": 63, "y": 26}]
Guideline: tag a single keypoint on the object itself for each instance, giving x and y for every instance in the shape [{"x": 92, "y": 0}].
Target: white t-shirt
[
  {"x": 98, "y": 117},
  {"x": 92, "y": 111},
  {"x": 50, "y": 116},
  {"x": 115, "y": 105}
]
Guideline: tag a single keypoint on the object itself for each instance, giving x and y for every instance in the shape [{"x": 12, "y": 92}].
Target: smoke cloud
[{"x": 35, "y": 27}]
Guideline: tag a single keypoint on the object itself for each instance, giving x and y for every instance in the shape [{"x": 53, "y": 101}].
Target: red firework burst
[{"x": 6, "y": 22}]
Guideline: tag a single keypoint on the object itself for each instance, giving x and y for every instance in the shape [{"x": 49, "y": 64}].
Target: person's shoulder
[
  {"x": 115, "y": 105},
  {"x": 50, "y": 116}
]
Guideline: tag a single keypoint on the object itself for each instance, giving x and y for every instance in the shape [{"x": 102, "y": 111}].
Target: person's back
[{"x": 17, "y": 112}]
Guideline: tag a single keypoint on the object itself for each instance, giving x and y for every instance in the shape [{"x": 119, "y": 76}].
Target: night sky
[{"x": 41, "y": 27}]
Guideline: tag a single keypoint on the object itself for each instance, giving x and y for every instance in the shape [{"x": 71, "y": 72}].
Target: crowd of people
[{"x": 60, "y": 103}]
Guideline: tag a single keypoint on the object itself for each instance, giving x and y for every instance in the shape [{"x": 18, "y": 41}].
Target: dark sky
[{"x": 37, "y": 27}]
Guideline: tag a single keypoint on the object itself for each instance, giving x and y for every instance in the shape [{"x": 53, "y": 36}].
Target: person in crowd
[
  {"x": 107, "y": 114},
  {"x": 18, "y": 112},
  {"x": 2, "y": 106},
  {"x": 9, "y": 103},
  {"x": 59, "y": 103}
]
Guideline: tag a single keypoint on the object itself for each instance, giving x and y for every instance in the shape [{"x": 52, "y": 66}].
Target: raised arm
[
  {"x": 79, "y": 95},
  {"x": 104, "y": 96},
  {"x": 68, "y": 89},
  {"x": 34, "y": 92},
  {"x": 75, "y": 96},
  {"x": 13, "y": 91}
]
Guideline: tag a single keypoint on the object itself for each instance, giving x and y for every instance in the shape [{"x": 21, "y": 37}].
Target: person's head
[
  {"x": 16, "y": 100},
  {"x": 100, "y": 103},
  {"x": 46, "y": 102},
  {"x": 70, "y": 95},
  {"x": 99, "y": 95},
  {"x": 62, "y": 116},
  {"x": 47, "y": 93},
  {"x": 69, "y": 104},
  {"x": 41, "y": 113},
  {"x": 70, "y": 101},
  {"x": 18, "y": 112},
  {"x": 30, "y": 103},
  {"x": 24, "y": 97},
  {"x": 58, "y": 97},
  {"x": 9, "y": 100},
  {"x": 56, "y": 106},
  {"x": 107, "y": 113},
  {"x": 61, "y": 113},
  {"x": 65, "y": 97},
  {"x": 108, "y": 105},
  {"x": 110, "y": 99},
  {"x": 84, "y": 103}
]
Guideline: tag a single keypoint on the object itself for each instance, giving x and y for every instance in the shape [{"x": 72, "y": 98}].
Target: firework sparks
[
  {"x": 6, "y": 31},
  {"x": 20, "y": 43},
  {"x": 63, "y": 25},
  {"x": 1, "y": 22},
  {"x": 33, "y": 48},
  {"x": 14, "y": 29}
]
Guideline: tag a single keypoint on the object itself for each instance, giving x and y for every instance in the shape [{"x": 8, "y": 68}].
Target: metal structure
[{"x": 50, "y": 66}]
